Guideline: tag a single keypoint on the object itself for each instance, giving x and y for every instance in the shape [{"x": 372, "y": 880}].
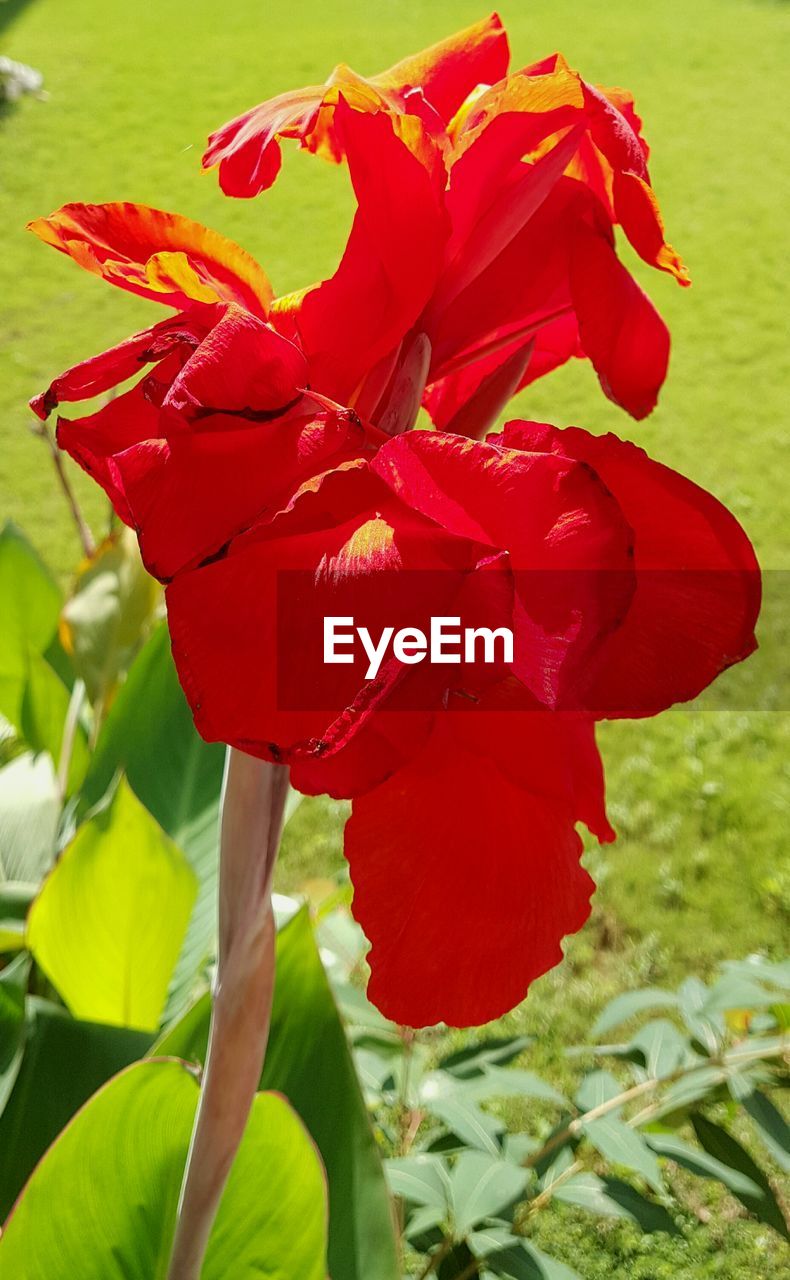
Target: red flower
[
  {"x": 223, "y": 428},
  {"x": 530, "y": 173},
  {"x": 501, "y": 856},
  {"x": 261, "y": 456},
  {"x": 432, "y": 85}
]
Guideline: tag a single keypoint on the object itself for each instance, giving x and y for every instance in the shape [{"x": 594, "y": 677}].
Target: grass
[{"x": 700, "y": 798}]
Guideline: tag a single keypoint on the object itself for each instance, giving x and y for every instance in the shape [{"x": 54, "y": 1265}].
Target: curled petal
[
  {"x": 620, "y": 329},
  {"x": 697, "y": 595},
  {"x": 156, "y": 255},
  {"x": 105, "y": 371},
  {"x": 431, "y": 85},
  {"x": 567, "y": 542}
]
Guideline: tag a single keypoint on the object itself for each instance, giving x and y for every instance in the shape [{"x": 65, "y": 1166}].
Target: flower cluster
[{"x": 268, "y": 438}]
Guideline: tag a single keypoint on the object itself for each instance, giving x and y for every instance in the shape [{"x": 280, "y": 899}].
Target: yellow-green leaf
[{"x": 110, "y": 919}]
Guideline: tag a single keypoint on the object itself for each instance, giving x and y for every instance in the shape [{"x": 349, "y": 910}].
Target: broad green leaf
[
  {"x": 30, "y": 806},
  {"x": 64, "y": 1062},
  {"x": 308, "y": 1060},
  {"x": 102, "y": 1203},
  {"x": 421, "y": 1179},
  {"x": 150, "y": 735},
  {"x": 622, "y": 1145},
  {"x": 495, "y": 1051},
  {"x": 720, "y": 1144},
  {"x": 598, "y": 1087},
  {"x": 482, "y": 1186},
  {"x": 29, "y": 606},
  {"x": 629, "y": 1004},
  {"x": 110, "y": 919},
  {"x": 474, "y": 1127},
  {"x": 106, "y": 618},
  {"x": 701, "y": 1163},
  {"x": 13, "y": 984},
  {"x": 662, "y": 1045},
  {"x": 612, "y": 1198},
  {"x": 771, "y": 1126}
]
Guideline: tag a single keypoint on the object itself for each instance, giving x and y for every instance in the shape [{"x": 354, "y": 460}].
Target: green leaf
[
  {"x": 598, "y": 1087},
  {"x": 13, "y": 984},
  {"x": 309, "y": 1061},
  {"x": 708, "y": 1031},
  {"x": 64, "y": 1062},
  {"x": 110, "y": 919},
  {"x": 29, "y": 814},
  {"x": 771, "y": 1126},
  {"x": 150, "y": 735},
  {"x": 474, "y": 1127},
  {"x": 421, "y": 1179},
  {"x": 737, "y": 991},
  {"x": 45, "y": 706},
  {"x": 513, "y": 1082},
  {"x": 514, "y": 1258},
  {"x": 612, "y": 1198},
  {"x": 701, "y": 1163},
  {"x": 690, "y": 1089},
  {"x": 662, "y": 1046},
  {"x": 622, "y": 1145},
  {"x": 630, "y": 1003},
  {"x": 773, "y": 974},
  {"x": 493, "y": 1052},
  {"x": 29, "y": 606},
  {"x": 102, "y": 1203},
  {"x": 720, "y": 1144},
  {"x": 482, "y": 1186},
  {"x": 104, "y": 621}
]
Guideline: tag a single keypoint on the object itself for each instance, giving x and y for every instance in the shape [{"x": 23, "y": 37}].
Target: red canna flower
[
  {"x": 265, "y": 459},
  {"x": 531, "y": 171}
]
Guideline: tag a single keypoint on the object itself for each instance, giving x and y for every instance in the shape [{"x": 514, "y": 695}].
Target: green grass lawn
[{"x": 700, "y": 798}]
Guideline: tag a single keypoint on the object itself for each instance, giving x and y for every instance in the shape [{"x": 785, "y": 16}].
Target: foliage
[{"x": 472, "y": 1192}]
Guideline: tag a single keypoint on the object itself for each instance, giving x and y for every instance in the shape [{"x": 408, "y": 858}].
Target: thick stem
[{"x": 252, "y": 815}]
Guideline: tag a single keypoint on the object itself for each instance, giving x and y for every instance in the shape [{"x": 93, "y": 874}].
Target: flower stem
[
  {"x": 252, "y": 815},
  {"x": 84, "y": 534}
]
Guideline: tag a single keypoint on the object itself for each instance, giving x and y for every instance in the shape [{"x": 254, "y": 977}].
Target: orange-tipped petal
[{"x": 157, "y": 255}]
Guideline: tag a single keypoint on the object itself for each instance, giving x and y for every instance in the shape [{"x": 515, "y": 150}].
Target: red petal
[
  {"x": 620, "y": 329},
  {"x": 388, "y": 271},
  {"x": 451, "y": 837},
  {"x": 697, "y": 579},
  {"x": 640, "y": 217},
  {"x": 449, "y": 70},
  {"x": 567, "y": 542},
  {"x": 105, "y": 371},
  {"x": 247, "y": 629},
  {"x": 431, "y": 85},
  {"x": 157, "y": 255}
]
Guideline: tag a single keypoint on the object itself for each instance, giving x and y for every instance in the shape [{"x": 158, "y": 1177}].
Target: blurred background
[{"x": 700, "y": 797}]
